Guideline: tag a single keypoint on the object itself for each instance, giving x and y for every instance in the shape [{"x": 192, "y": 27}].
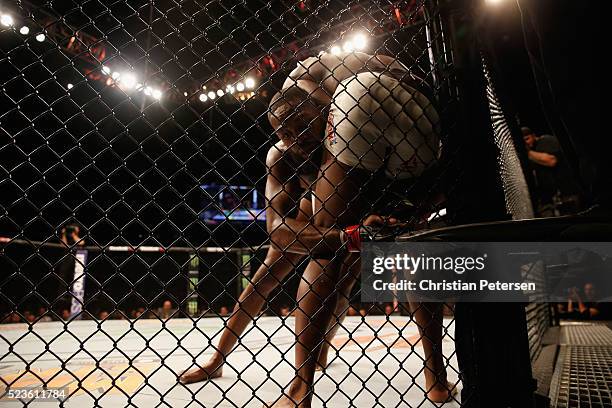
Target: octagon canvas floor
[{"x": 136, "y": 363}]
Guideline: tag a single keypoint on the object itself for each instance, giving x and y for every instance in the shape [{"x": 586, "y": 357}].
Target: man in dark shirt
[{"x": 557, "y": 191}]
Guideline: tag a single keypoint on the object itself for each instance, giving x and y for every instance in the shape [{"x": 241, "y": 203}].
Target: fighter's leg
[
  {"x": 269, "y": 275},
  {"x": 428, "y": 318},
  {"x": 345, "y": 287},
  {"x": 338, "y": 191}
]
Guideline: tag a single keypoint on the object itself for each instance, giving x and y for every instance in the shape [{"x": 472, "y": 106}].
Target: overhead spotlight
[
  {"x": 25, "y": 30},
  {"x": 359, "y": 41},
  {"x": 69, "y": 86},
  {"x": 6, "y": 20},
  {"x": 220, "y": 93},
  {"x": 336, "y": 50},
  {"x": 203, "y": 97},
  {"x": 40, "y": 37},
  {"x": 106, "y": 70},
  {"x": 128, "y": 80},
  {"x": 240, "y": 87},
  {"x": 249, "y": 83},
  {"x": 115, "y": 75},
  {"x": 230, "y": 89},
  {"x": 157, "y": 94},
  {"x": 211, "y": 95},
  {"x": 148, "y": 91},
  {"x": 348, "y": 46}
]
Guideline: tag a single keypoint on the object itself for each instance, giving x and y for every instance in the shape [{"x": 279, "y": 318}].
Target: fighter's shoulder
[{"x": 276, "y": 153}]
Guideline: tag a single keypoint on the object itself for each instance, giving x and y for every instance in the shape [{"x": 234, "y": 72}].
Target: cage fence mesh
[{"x": 148, "y": 186}]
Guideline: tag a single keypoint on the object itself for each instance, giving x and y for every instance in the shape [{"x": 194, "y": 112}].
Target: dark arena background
[{"x": 182, "y": 210}]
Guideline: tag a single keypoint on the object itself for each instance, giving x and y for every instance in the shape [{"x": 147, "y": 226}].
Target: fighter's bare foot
[
  {"x": 442, "y": 393},
  {"x": 197, "y": 374},
  {"x": 288, "y": 402}
]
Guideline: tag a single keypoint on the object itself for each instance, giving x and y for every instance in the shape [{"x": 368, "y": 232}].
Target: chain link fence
[{"x": 185, "y": 186}]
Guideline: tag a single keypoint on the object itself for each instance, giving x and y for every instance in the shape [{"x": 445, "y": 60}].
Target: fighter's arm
[{"x": 297, "y": 235}]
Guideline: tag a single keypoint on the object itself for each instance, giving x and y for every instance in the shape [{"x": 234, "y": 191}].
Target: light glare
[
  {"x": 128, "y": 80},
  {"x": 240, "y": 87},
  {"x": 249, "y": 83},
  {"x": 348, "y": 46},
  {"x": 203, "y": 97},
  {"x": 157, "y": 94},
  {"x": 40, "y": 37},
  {"x": 6, "y": 20},
  {"x": 360, "y": 41},
  {"x": 212, "y": 95},
  {"x": 24, "y": 30},
  {"x": 335, "y": 50}
]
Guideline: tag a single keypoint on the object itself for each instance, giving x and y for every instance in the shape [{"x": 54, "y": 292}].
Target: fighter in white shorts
[{"x": 370, "y": 114}]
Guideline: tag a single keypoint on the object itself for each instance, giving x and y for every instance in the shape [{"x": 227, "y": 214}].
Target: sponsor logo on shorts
[{"x": 331, "y": 131}]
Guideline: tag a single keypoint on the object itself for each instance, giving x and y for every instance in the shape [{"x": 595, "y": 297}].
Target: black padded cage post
[{"x": 492, "y": 188}]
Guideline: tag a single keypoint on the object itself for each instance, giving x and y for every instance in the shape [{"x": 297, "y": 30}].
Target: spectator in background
[
  {"x": 285, "y": 311},
  {"x": 65, "y": 314},
  {"x": 71, "y": 235},
  {"x": 103, "y": 315},
  {"x": 44, "y": 315},
  {"x": 224, "y": 311},
  {"x": 388, "y": 310},
  {"x": 166, "y": 311},
  {"x": 585, "y": 307},
  {"x": 557, "y": 191},
  {"x": 30, "y": 318}
]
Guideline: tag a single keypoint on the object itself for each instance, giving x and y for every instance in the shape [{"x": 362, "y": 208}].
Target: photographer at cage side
[{"x": 557, "y": 191}]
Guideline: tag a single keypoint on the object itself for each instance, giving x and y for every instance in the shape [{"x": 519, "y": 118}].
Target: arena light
[
  {"x": 25, "y": 30},
  {"x": 494, "y": 2},
  {"x": 69, "y": 86},
  {"x": 106, "y": 70},
  {"x": 6, "y": 20},
  {"x": 40, "y": 37},
  {"x": 212, "y": 95},
  {"x": 240, "y": 87},
  {"x": 220, "y": 93},
  {"x": 157, "y": 94},
  {"x": 128, "y": 80},
  {"x": 203, "y": 97},
  {"x": 359, "y": 41},
  {"x": 148, "y": 91},
  {"x": 230, "y": 89},
  {"x": 249, "y": 83},
  {"x": 185, "y": 94},
  {"x": 348, "y": 46},
  {"x": 335, "y": 50}
]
